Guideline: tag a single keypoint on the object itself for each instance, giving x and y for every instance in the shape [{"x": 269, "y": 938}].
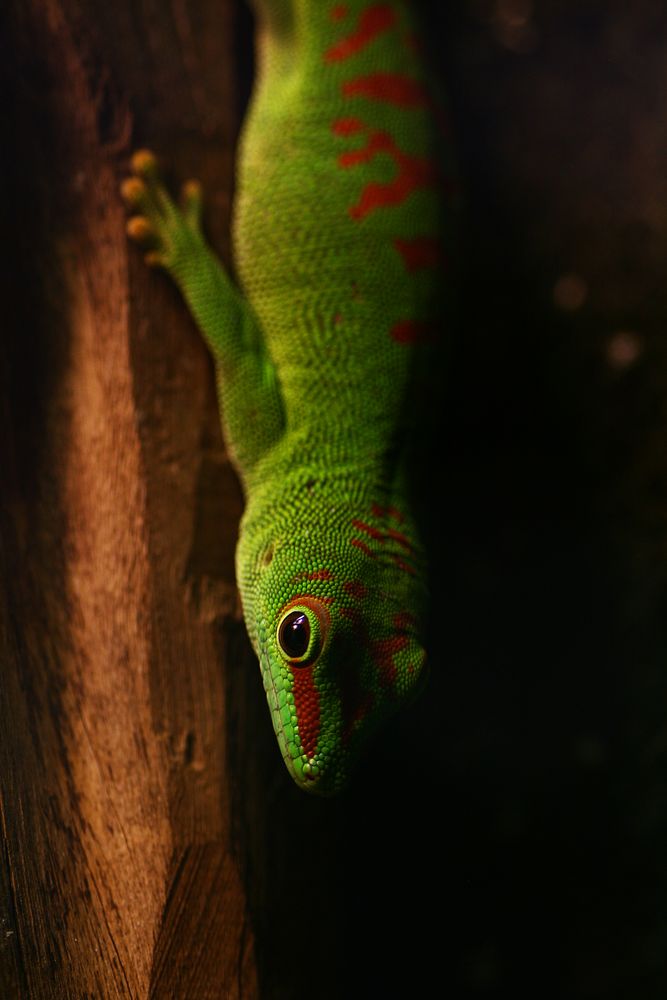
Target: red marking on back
[
  {"x": 413, "y": 331},
  {"x": 339, "y": 12},
  {"x": 355, "y": 589},
  {"x": 393, "y": 88},
  {"x": 347, "y": 126},
  {"x": 374, "y": 21},
  {"x": 413, "y": 174},
  {"x": 420, "y": 252},
  {"x": 307, "y": 707}
]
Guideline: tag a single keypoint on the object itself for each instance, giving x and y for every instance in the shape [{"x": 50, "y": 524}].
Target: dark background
[{"x": 507, "y": 837}]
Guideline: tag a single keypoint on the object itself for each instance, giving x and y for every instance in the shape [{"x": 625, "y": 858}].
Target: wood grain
[{"x": 115, "y": 814}]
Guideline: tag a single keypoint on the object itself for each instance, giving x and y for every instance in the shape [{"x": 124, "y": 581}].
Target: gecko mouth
[
  {"x": 328, "y": 778},
  {"x": 286, "y": 741}
]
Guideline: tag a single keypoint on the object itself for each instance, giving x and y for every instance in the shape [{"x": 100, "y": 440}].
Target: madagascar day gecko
[{"x": 339, "y": 253}]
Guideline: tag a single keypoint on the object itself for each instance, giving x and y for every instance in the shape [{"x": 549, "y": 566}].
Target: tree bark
[{"x": 116, "y": 577}]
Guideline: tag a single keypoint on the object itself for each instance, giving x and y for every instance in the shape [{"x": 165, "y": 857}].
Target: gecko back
[
  {"x": 339, "y": 214},
  {"x": 340, "y": 249}
]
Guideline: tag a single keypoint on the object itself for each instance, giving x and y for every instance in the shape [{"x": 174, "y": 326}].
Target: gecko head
[{"x": 340, "y": 653}]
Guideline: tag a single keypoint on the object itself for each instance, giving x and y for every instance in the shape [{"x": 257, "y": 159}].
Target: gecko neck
[{"x": 359, "y": 450}]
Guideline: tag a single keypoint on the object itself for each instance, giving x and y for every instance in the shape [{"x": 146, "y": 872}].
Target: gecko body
[{"x": 339, "y": 251}]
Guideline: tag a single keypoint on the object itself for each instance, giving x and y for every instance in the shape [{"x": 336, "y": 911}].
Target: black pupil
[{"x": 295, "y": 634}]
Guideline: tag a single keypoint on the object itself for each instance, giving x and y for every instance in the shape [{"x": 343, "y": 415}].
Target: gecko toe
[
  {"x": 134, "y": 192},
  {"x": 141, "y": 231},
  {"x": 144, "y": 163},
  {"x": 191, "y": 202},
  {"x": 145, "y": 189},
  {"x": 155, "y": 259},
  {"x": 167, "y": 232}
]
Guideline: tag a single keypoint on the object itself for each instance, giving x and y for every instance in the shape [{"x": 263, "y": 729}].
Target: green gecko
[{"x": 339, "y": 255}]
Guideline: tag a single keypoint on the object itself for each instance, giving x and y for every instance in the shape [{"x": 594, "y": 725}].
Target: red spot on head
[
  {"x": 403, "y": 565},
  {"x": 307, "y": 707},
  {"x": 357, "y": 542},
  {"x": 383, "y": 535},
  {"x": 368, "y": 529},
  {"x": 355, "y": 589},
  {"x": 412, "y": 331},
  {"x": 356, "y": 702},
  {"x": 397, "y": 536},
  {"x": 404, "y": 621},
  {"x": 318, "y": 574},
  {"x": 393, "y": 512},
  {"x": 328, "y": 601},
  {"x": 373, "y": 21},
  {"x": 392, "y": 88},
  {"x": 352, "y": 615},
  {"x": 383, "y": 652}
]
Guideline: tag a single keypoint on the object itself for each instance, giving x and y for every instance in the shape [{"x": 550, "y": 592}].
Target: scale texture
[{"x": 340, "y": 251}]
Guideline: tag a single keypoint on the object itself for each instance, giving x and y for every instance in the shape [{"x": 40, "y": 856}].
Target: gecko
[{"x": 340, "y": 253}]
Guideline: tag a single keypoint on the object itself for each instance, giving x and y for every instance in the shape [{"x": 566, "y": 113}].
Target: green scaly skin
[{"x": 338, "y": 252}]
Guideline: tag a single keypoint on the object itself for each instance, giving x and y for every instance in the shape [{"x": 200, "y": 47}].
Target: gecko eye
[
  {"x": 294, "y": 635},
  {"x": 300, "y": 633}
]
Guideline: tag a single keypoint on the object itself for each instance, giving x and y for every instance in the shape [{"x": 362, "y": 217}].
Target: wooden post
[{"x": 119, "y": 517}]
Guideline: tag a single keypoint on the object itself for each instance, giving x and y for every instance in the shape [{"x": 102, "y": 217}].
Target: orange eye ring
[{"x": 302, "y": 629}]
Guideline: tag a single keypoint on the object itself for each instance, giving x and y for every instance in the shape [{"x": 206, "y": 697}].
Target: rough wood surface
[
  {"x": 121, "y": 878},
  {"x": 507, "y": 838}
]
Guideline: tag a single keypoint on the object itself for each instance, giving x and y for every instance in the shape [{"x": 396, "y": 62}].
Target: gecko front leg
[{"x": 172, "y": 237}]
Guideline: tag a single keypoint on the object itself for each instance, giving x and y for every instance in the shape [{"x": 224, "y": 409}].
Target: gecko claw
[
  {"x": 144, "y": 163},
  {"x": 191, "y": 202},
  {"x": 133, "y": 191},
  {"x": 154, "y": 259},
  {"x": 170, "y": 233},
  {"x": 139, "y": 229}
]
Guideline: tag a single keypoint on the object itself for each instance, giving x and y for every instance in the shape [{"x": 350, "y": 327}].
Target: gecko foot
[{"x": 169, "y": 234}]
